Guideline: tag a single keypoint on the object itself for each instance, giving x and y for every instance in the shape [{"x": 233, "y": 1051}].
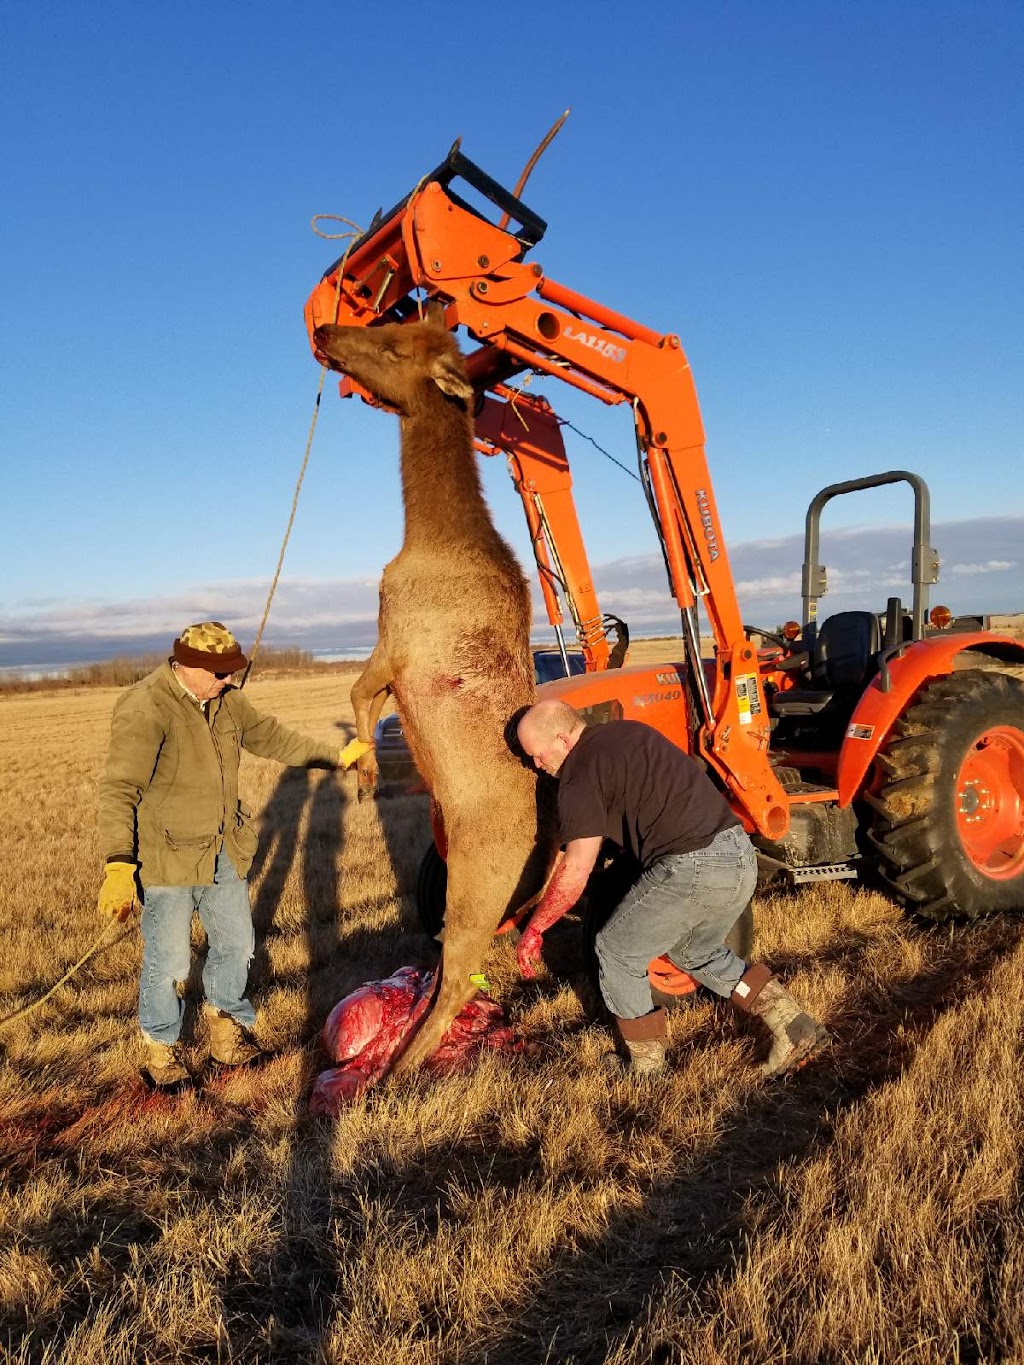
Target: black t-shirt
[{"x": 626, "y": 782}]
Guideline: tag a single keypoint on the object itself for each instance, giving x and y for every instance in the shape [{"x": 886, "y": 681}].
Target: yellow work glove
[
  {"x": 352, "y": 751},
  {"x": 118, "y": 895}
]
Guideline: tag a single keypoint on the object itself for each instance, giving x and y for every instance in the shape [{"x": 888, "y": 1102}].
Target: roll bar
[{"x": 924, "y": 562}]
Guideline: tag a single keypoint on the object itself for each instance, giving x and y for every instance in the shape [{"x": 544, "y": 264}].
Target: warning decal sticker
[
  {"x": 748, "y": 697},
  {"x": 860, "y": 732}
]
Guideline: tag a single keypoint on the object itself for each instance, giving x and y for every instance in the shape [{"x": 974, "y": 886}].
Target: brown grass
[{"x": 534, "y": 1210}]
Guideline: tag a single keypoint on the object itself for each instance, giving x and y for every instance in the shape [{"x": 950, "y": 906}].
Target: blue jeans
[
  {"x": 167, "y": 950},
  {"x": 683, "y": 906}
]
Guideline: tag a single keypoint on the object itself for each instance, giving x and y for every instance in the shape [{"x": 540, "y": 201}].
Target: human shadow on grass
[{"x": 301, "y": 1265}]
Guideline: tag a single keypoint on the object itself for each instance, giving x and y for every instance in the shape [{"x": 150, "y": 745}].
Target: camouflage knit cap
[{"x": 209, "y": 645}]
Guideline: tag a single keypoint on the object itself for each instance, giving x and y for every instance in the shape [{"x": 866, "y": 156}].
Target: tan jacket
[{"x": 169, "y": 797}]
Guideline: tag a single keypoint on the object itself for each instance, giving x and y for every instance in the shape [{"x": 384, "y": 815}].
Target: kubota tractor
[{"x": 863, "y": 741}]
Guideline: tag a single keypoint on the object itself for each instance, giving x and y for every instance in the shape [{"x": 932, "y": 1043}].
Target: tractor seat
[{"x": 844, "y": 658}]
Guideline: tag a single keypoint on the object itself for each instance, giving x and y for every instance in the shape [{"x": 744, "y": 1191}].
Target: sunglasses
[{"x": 221, "y": 676}]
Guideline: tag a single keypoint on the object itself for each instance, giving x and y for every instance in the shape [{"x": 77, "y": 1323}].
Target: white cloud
[
  {"x": 753, "y": 589},
  {"x": 991, "y": 566},
  {"x": 864, "y": 568}
]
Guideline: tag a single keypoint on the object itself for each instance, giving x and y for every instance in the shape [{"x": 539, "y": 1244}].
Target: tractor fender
[{"x": 877, "y": 711}]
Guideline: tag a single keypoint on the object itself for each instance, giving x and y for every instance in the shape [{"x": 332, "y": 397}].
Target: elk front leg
[{"x": 369, "y": 694}]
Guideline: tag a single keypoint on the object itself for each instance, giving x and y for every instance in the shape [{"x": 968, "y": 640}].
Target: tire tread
[{"x": 921, "y": 856}]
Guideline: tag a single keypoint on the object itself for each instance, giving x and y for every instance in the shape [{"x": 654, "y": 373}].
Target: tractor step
[{"x": 822, "y": 872}]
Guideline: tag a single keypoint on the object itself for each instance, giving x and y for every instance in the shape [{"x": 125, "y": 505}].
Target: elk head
[{"x": 403, "y": 365}]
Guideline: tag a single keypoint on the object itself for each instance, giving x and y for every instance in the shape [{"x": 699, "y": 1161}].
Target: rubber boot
[
  {"x": 165, "y": 1066},
  {"x": 231, "y": 1044},
  {"x": 643, "y": 1041},
  {"x": 796, "y": 1037}
]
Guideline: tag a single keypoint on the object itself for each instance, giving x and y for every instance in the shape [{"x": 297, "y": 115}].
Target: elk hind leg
[
  {"x": 480, "y": 891},
  {"x": 462, "y": 957}
]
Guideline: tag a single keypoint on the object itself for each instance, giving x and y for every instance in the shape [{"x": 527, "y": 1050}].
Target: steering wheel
[{"x": 773, "y": 635}]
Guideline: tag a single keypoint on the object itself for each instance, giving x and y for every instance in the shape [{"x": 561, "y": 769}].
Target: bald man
[{"x": 625, "y": 782}]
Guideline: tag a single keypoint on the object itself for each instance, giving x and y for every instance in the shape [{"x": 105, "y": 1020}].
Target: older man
[
  {"x": 625, "y": 782},
  {"x": 171, "y": 823}
]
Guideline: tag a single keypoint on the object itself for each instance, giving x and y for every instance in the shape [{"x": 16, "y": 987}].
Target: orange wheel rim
[
  {"x": 990, "y": 803},
  {"x": 666, "y": 977}
]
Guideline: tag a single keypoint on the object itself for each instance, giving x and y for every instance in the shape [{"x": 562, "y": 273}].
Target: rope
[
  {"x": 513, "y": 402},
  {"x": 101, "y": 939},
  {"x": 356, "y": 230},
  {"x": 98, "y": 943},
  {"x": 288, "y": 528},
  {"x": 353, "y": 232}
]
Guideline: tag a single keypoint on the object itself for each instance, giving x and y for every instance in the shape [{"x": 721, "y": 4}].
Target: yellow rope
[
  {"x": 353, "y": 232},
  {"x": 97, "y": 943},
  {"x": 356, "y": 230},
  {"x": 517, "y": 393}
]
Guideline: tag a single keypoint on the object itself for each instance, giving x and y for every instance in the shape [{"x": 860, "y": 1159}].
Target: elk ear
[
  {"x": 433, "y": 314},
  {"x": 449, "y": 378}
]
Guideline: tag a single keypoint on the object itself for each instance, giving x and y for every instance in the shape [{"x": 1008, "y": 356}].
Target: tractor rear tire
[
  {"x": 432, "y": 891},
  {"x": 948, "y": 818}
]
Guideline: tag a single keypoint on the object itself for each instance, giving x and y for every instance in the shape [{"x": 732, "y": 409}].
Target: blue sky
[{"x": 823, "y": 200}]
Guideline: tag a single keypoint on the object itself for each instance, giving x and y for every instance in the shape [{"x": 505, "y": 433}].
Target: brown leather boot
[
  {"x": 165, "y": 1068},
  {"x": 231, "y": 1044},
  {"x": 643, "y": 1040},
  {"x": 796, "y": 1036}
]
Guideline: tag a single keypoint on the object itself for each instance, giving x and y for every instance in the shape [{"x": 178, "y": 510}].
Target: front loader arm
[
  {"x": 524, "y": 428},
  {"x": 436, "y": 243}
]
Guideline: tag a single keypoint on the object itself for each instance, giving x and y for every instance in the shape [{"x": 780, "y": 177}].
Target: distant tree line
[{"x": 122, "y": 672}]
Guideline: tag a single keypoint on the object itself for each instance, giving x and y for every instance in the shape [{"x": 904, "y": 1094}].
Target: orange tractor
[{"x": 868, "y": 741}]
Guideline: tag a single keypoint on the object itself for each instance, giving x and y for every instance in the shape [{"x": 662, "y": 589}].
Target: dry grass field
[{"x": 534, "y": 1210}]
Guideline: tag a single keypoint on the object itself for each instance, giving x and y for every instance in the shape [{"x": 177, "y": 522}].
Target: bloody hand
[{"x": 528, "y": 952}]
